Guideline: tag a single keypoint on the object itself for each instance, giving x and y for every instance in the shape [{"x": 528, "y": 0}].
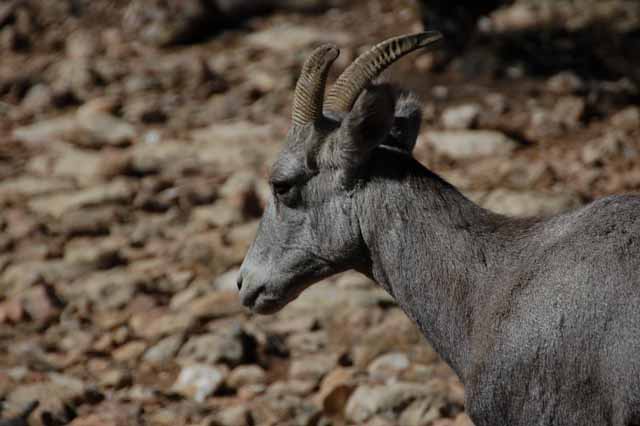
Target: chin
[{"x": 268, "y": 306}]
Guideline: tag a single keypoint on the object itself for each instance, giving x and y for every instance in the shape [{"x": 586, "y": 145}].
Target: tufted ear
[
  {"x": 406, "y": 124},
  {"x": 368, "y": 124}
]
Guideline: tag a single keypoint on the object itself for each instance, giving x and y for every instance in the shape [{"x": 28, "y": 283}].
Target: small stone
[
  {"x": 301, "y": 388},
  {"x": 249, "y": 392},
  {"x": 82, "y": 165},
  {"x": 565, "y": 83},
  {"x": 627, "y": 119},
  {"x": 230, "y": 345},
  {"x": 165, "y": 417},
  {"x": 215, "y": 305},
  {"x": 110, "y": 413},
  {"x": 464, "y": 144},
  {"x": 460, "y": 117},
  {"x": 218, "y": 215},
  {"x": 163, "y": 24},
  {"x": 117, "y": 191},
  {"x": 199, "y": 381},
  {"x": 422, "y": 412},
  {"x": 26, "y": 186},
  {"x": 312, "y": 367},
  {"x": 300, "y": 325},
  {"x": 288, "y": 38},
  {"x": 602, "y": 149},
  {"x": 246, "y": 375},
  {"x": 129, "y": 352},
  {"x": 92, "y": 254},
  {"x": 164, "y": 350},
  {"x": 388, "y": 366},
  {"x": 234, "y": 416},
  {"x": 47, "y": 130},
  {"x": 569, "y": 111},
  {"x": 285, "y": 409},
  {"x": 57, "y": 397},
  {"x": 162, "y": 325},
  {"x": 38, "y": 98},
  {"x": 311, "y": 342},
  {"x": 115, "y": 378},
  {"x": 82, "y": 44},
  {"x": 88, "y": 221},
  {"x": 105, "y": 129},
  {"x": 368, "y": 401},
  {"x": 42, "y": 304},
  {"x": 529, "y": 203},
  {"x": 146, "y": 110},
  {"x": 335, "y": 390},
  {"x": 109, "y": 289},
  {"x": 11, "y": 311}
]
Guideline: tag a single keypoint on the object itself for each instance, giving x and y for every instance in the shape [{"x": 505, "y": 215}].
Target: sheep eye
[{"x": 281, "y": 188}]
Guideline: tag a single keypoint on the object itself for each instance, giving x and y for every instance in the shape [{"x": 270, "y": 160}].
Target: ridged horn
[
  {"x": 370, "y": 64},
  {"x": 309, "y": 94}
]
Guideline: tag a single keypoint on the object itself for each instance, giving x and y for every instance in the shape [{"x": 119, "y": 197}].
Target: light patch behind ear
[{"x": 406, "y": 123}]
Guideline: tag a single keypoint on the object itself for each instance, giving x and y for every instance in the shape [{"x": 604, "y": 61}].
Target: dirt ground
[{"x": 133, "y": 166}]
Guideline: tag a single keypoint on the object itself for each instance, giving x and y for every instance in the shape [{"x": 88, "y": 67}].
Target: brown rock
[
  {"x": 312, "y": 367},
  {"x": 155, "y": 324},
  {"x": 42, "y": 304},
  {"x": 129, "y": 352},
  {"x": 215, "y": 304},
  {"x": 246, "y": 375},
  {"x": 11, "y": 311},
  {"x": 57, "y": 397},
  {"x": 335, "y": 390},
  {"x": 117, "y": 191},
  {"x": 627, "y": 119}
]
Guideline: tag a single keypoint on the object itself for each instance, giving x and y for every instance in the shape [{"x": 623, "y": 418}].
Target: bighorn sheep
[{"x": 539, "y": 317}]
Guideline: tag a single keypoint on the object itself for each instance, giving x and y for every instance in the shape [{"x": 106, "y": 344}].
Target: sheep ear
[
  {"x": 368, "y": 123},
  {"x": 406, "y": 124}
]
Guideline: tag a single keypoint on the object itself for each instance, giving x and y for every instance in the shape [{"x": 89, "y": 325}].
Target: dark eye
[{"x": 282, "y": 188}]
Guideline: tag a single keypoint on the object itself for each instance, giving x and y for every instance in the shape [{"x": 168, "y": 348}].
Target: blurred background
[{"x": 135, "y": 141}]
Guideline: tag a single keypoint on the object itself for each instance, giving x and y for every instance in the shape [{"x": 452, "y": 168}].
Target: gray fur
[{"x": 538, "y": 317}]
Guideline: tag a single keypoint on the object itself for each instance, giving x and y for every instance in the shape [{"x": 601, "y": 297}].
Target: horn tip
[
  {"x": 429, "y": 37},
  {"x": 330, "y": 50}
]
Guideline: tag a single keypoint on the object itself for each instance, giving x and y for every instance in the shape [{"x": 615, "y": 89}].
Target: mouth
[{"x": 260, "y": 302}]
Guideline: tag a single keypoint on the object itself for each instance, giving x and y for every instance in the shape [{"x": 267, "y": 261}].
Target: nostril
[{"x": 239, "y": 282}]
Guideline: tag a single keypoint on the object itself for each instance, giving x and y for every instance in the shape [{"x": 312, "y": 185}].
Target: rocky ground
[{"x": 133, "y": 164}]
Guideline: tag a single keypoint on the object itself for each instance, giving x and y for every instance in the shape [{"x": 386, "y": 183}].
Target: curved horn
[
  {"x": 309, "y": 94},
  {"x": 370, "y": 64}
]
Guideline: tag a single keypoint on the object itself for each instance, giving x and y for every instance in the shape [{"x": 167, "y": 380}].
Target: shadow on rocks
[{"x": 164, "y": 23}]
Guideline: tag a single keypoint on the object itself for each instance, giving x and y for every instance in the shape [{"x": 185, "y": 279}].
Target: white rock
[
  {"x": 164, "y": 350},
  {"x": 247, "y": 375},
  {"x": 219, "y": 214},
  {"x": 464, "y": 144},
  {"x": 368, "y": 401},
  {"x": 59, "y": 204},
  {"x": 388, "y": 366},
  {"x": 105, "y": 128},
  {"x": 291, "y": 38},
  {"x": 46, "y": 131},
  {"x": 529, "y": 203},
  {"x": 461, "y": 116},
  {"x": 198, "y": 381},
  {"x": 627, "y": 119}
]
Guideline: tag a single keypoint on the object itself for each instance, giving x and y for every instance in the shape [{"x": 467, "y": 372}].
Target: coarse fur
[{"x": 539, "y": 317}]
